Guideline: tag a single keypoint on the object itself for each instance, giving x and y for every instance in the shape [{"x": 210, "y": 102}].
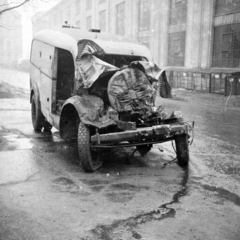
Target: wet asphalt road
[{"x": 44, "y": 194}]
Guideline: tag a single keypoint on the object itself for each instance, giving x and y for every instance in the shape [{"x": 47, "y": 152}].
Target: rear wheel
[
  {"x": 37, "y": 116},
  {"x": 47, "y": 126},
  {"x": 182, "y": 148},
  {"x": 89, "y": 157}
]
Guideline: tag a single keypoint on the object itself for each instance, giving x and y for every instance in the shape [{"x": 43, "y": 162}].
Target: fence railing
[{"x": 212, "y": 82}]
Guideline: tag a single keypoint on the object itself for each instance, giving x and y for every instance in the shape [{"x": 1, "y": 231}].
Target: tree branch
[
  {"x": 16, "y": 6},
  {"x": 1, "y": 26}
]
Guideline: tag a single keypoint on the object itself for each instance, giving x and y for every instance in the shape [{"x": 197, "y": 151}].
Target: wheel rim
[{"x": 88, "y": 154}]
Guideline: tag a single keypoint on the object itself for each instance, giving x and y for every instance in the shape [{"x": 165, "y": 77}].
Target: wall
[{"x": 196, "y": 30}]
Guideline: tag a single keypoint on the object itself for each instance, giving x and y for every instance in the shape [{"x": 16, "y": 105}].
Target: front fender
[{"x": 90, "y": 110}]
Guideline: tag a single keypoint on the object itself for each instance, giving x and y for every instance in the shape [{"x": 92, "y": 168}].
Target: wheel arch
[
  {"x": 86, "y": 109},
  {"x": 69, "y": 121},
  {"x": 34, "y": 91}
]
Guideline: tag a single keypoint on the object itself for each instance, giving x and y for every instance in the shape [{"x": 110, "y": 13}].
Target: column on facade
[
  {"x": 134, "y": 19},
  {"x": 112, "y": 16},
  {"x": 207, "y": 37},
  {"x": 193, "y": 33},
  {"x": 198, "y": 33},
  {"x": 128, "y": 18},
  {"x": 161, "y": 28}
]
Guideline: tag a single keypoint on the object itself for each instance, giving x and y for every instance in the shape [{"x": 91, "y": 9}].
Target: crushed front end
[{"x": 128, "y": 95}]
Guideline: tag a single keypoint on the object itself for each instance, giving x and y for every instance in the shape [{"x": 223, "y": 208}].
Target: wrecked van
[{"x": 100, "y": 89}]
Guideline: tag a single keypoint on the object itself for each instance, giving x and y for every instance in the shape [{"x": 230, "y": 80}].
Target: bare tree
[{"x": 7, "y": 7}]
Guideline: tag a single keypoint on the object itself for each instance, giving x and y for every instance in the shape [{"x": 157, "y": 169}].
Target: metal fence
[{"x": 211, "y": 82}]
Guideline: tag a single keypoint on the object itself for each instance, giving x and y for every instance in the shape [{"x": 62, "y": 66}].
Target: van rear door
[{"x": 42, "y": 57}]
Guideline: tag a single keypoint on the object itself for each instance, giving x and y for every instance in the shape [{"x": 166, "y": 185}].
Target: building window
[
  {"x": 102, "y": 21},
  {"x": 77, "y": 7},
  {"x": 101, "y": 1},
  {"x": 226, "y": 46},
  {"x": 176, "y": 48},
  {"x": 176, "y": 45},
  {"x": 178, "y": 12},
  {"x": 88, "y": 4},
  {"x": 144, "y": 40},
  {"x": 120, "y": 24},
  {"x": 224, "y": 7},
  {"x": 89, "y": 22},
  {"x": 144, "y": 15}
]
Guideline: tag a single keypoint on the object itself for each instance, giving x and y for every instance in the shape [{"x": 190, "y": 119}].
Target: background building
[
  {"x": 10, "y": 37},
  {"x": 189, "y": 34}
]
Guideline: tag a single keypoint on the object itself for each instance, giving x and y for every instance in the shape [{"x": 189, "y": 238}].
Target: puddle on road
[
  {"x": 52, "y": 143},
  {"x": 164, "y": 211},
  {"x": 223, "y": 193},
  {"x": 11, "y": 142},
  {"x": 67, "y": 185},
  {"x": 127, "y": 186},
  {"x": 18, "y": 167},
  {"x": 63, "y": 181}
]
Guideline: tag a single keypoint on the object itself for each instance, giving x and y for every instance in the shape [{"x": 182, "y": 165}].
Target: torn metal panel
[
  {"x": 150, "y": 68},
  {"x": 130, "y": 90},
  {"x": 87, "y": 47},
  {"x": 88, "y": 70},
  {"x": 156, "y": 76},
  {"x": 90, "y": 110}
]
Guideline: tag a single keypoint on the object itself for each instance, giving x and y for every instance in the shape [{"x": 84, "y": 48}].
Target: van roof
[{"x": 67, "y": 38}]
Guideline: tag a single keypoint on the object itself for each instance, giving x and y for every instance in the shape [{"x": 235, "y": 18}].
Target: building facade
[
  {"x": 10, "y": 37},
  {"x": 193, "y": 34}
]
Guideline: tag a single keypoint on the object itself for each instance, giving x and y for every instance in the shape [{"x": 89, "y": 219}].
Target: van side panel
[{"x": 42, "y": 56}]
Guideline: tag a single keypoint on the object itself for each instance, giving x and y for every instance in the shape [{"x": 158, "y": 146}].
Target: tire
[
  {"x": 47, "y": 127},
  {"x": 90, "y": 158},
  {"x": 37, "y": 116},
  {"x": 182, "y": 148}
]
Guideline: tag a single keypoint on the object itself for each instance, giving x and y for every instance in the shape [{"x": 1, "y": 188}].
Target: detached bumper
[{"x": 154, "y": 133}]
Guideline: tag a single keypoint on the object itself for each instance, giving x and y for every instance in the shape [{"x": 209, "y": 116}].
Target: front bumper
[{"x": 142, "y": 136}]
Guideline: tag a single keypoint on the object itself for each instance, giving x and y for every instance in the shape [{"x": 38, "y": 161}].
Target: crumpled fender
[
  {"x": 157, "y": 76},
  {"x": 90, "y": 110}
]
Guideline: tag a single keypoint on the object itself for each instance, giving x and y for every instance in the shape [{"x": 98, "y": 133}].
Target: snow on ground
[{"x": 13, "y": 83}]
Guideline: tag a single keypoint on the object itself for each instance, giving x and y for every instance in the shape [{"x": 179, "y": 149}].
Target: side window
[
  {"x": 65, "y": 74},
  {"x": 42, "y": 57}
]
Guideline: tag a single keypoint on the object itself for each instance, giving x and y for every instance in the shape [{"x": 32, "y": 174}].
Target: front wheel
[
  {"x": 182, "y": 148},
  {"x": 89, "y": 157}
]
